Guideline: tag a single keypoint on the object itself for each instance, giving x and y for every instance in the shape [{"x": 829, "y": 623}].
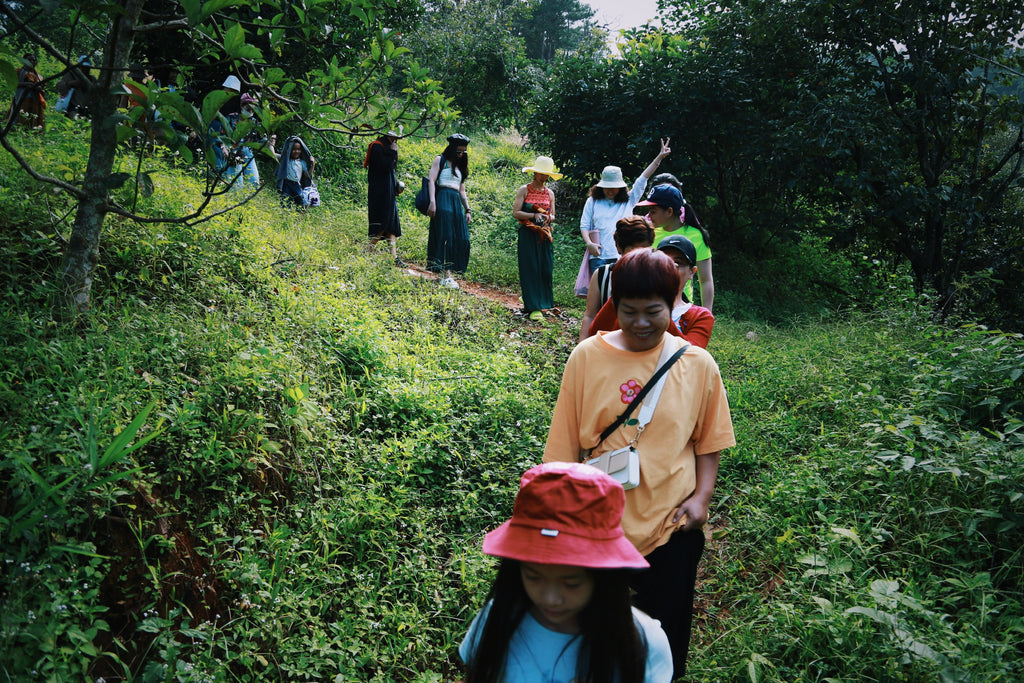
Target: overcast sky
[{"x": 619, "y": 14}]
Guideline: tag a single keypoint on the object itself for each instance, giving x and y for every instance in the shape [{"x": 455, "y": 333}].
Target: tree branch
[
  {"x": 166, "y": 25},
  {"x": 75, "y": 191},
  {"x": 36, "y": 38}
]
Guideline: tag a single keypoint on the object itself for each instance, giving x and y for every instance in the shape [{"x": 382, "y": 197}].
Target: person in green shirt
[{"x": 664, "y": 207}]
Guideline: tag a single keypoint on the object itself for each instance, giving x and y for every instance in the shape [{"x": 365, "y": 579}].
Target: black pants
[{"x": 666, "y": 590}]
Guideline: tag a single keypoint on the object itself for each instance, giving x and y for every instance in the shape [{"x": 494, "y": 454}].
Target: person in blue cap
[{"x": 665, "y": 210}]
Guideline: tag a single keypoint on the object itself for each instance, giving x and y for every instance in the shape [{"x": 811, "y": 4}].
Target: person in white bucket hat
[{"x": 610, "y": 200}]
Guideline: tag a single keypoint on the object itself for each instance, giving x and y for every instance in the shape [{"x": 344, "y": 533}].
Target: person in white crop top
[{"x": 448, "y": 236}]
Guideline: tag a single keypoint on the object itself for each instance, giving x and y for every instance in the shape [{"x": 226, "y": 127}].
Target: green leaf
[
  {"x": 116, "y": 180},
  {"x": 146, "y": 186},
  {"x": 192, "y": 9},
  {"x": 885, "y": 587},
  {"x": 874, "y": 614},
  {"x": 119, "y": 448},
  {"x": 847, "y": 533},
  {"x": 234, "y": 39},
  {"x": 126, "y": 132},
  {"x": 273, "y": 76},
  {"x": 210, "y": 7},
  {"x": 212, "y": 104}
]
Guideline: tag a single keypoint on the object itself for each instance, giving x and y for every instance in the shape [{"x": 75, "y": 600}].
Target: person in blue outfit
[
  {"x": 559, "y": 610},
  {"x": 255, "y": 138},
  {"x": 295, "y": 171},
  {"x": 609, "y": 201}
]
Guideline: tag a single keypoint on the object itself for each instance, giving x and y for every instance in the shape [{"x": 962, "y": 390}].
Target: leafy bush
[{"x": 269, "y": 455}]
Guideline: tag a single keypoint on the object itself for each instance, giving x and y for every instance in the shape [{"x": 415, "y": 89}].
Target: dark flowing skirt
[
  {"x": 536, "y": 264},
  {"x": 382, "y": 205},
  {"x": 448, "y": 239}
]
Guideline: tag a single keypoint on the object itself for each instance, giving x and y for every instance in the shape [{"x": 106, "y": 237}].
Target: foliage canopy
[{"x": 896, "y": 128}]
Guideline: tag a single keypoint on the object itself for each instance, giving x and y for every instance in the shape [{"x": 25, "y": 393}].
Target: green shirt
[{"x": 694, "y": 235}]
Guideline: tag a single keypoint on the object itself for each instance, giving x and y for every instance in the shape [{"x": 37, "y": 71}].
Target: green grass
[{"x": 267, "y": 455}]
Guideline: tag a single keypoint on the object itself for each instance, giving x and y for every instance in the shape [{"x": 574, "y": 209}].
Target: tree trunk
[{"x": 82, "y": 251}]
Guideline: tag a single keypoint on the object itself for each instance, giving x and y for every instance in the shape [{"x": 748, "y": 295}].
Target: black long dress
[{"x": 382, "y": 209}]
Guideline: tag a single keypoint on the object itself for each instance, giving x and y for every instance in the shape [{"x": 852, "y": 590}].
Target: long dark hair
[
  {"x": 621, "y": 196},
  {"x": 612, "y": 647},
  {"x": 454, "y": 160}
]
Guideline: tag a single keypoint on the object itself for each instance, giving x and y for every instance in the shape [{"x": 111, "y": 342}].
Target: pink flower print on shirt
[{"x": 629, "y": 390}]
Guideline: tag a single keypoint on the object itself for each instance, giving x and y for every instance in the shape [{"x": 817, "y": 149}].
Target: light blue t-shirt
[
  {"x": 296, "y": 167},
  {"x": 538, "y": 655}
]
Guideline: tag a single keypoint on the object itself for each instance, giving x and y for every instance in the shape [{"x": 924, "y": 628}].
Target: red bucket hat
[{"x": 566, "y": 513}]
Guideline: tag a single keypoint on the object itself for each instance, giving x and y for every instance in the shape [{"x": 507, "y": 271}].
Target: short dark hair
[
  {"x": 643, "y": 273},
  {"x": 666, "y": 179},
  {"x": 633, "y": 231}
]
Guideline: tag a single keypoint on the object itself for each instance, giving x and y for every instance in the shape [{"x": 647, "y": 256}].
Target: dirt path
[{"x": 509, "y": 298}]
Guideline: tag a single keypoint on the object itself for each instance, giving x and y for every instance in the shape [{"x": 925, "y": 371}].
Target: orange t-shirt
[{"x": 692, "y": 417}]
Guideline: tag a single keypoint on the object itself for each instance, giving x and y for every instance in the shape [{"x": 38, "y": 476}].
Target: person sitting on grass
[
  {"x": 559, "y": 609},
  {"x": 295, "y": 171}
]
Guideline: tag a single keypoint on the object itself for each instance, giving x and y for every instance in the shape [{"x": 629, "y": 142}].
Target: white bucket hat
[
  {"x": 611, "y": 177},
  {"x": 232, "y": 83},
  {"x": 546, "y": 166}
]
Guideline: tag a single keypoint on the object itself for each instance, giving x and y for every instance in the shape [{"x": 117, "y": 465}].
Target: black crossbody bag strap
[{"x": 643, "y": 392}]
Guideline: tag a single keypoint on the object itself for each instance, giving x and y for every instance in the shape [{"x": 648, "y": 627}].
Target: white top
[
  {"x": 296, "y": 167},
  {"x": 538, "y": 655},
  {"x": 603, "y": 214},
  {"x": 449, "y": 177},
  {"x": 679, "y": 311}
]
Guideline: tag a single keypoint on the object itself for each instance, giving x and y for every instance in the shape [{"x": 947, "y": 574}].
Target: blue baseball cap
[{"x": 666, "y": 196}]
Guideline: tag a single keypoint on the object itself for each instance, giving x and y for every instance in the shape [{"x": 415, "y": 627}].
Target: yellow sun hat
[{"x": 546, "y": 166}]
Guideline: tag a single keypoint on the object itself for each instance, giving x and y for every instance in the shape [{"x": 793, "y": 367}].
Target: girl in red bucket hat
[{"x": 559, "y": 609}]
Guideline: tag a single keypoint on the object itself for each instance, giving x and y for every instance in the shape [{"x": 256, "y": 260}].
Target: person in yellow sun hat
[{"x": 534, "y": 208}]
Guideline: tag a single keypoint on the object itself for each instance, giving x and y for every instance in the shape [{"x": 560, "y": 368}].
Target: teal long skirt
[
  {"x": 536, "y": 264},
  {"x": 448, "y": 236}
]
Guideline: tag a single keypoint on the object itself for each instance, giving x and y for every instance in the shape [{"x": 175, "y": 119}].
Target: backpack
[{"x": 422, "y": 200}]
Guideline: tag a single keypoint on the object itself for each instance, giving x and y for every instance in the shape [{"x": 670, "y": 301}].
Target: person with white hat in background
[{"x": 610, "y": 200}]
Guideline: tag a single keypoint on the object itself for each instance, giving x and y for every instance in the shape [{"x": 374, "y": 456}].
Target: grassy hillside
[{"x": 268, "y": 455}]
